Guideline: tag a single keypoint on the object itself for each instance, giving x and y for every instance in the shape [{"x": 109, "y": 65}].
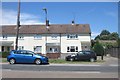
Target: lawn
[{"x": 62, "y": 61}]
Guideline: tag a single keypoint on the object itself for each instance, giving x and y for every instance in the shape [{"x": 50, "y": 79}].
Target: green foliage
[
  {"x": 106, "y": 35},
  {"x": 98, "y": 48},
  {"x": 5, "y": 54},
  {"x": 104, "y": 32},
  {"x": 114, "y": 36},
  {"x": 118, "y": 41}
]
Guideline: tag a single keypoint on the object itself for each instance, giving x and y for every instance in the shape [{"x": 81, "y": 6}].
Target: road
[{"x": 59, "y": 71}]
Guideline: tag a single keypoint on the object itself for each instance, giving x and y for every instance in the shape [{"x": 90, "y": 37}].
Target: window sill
[
  {"x": 37, "y": 39},
  {"x": 72, "y": 39}
]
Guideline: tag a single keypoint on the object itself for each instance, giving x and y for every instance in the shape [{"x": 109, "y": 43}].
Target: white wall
[{"x": 29, "y": 42}]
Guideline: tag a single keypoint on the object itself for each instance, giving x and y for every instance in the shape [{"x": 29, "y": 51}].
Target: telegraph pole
[{"x": 18, "y": 25}]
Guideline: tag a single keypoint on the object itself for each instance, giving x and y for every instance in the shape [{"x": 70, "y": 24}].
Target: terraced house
[{"x": 56, "y": 41}]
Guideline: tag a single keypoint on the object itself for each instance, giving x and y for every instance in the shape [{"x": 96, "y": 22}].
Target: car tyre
[
  {"x": 37, "y": 61},
  {"x": 92, "y": 60},
  {"x": 12, "y": 61},
  {"x": 71, "y": 59}
]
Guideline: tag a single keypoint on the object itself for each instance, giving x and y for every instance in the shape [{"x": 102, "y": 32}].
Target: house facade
[{"x": 62, "y": 39}]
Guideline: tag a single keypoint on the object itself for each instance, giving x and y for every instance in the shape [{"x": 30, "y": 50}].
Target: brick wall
[{"x": 53, "y": 55}]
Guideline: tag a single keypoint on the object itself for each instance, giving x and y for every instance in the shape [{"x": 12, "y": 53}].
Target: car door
[
  {"x": 87, "y": 55},
  {"x": 19, "y": 56},
  {"x": 29, "y": 57},
  {"x": 80, "y": 55}
]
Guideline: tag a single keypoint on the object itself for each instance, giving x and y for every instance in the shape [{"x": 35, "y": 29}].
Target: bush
[
  {"x": 98, "y": 48},
  {"x": 5, "y": 54}
]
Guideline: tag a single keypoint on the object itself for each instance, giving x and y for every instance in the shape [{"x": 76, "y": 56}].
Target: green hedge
[{"x": 4, "y": 54}]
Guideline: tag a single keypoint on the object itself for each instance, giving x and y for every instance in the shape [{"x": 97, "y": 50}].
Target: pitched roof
[{"x": 41, "y": 29}]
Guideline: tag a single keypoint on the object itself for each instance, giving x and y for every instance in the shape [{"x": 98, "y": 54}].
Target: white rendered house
[{"x": 58, "y": 38}]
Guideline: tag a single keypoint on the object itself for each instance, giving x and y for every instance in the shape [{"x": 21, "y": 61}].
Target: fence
[{"x": 114, "y": 52}]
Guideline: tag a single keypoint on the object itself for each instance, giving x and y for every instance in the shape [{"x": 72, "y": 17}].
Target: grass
[
  {"x": 62, "y": 61},
  {"x": 4, "y": 60}
]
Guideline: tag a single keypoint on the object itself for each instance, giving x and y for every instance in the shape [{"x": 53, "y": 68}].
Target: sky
[{"x": 99, "y": 15}]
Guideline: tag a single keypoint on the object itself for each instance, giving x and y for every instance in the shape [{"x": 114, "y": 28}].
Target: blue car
[{"x": 25, "y": 56}]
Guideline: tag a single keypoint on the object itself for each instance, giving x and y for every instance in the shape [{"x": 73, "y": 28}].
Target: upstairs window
[
  {"x": 54, "y": 36},
  {"x": 37, "y": 36},
  {"x": 21, "y": 37},
  {"x": 72, "y": 36},
  {"x": 4, "y": 37}
]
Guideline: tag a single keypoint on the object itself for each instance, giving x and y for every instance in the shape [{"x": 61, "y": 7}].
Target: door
[
  {"x": 29, "y": 57},
  {"x": 80, "y": 55},
  {"x": 19, "y": 56}
]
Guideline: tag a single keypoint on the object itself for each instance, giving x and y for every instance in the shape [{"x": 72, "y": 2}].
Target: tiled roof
[{"x": 41, "y": 29}]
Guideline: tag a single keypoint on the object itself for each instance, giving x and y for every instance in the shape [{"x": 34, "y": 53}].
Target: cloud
[
  {"x": 94, "y": 34},
  {"x": 10, "y": 17},
  {"x": 112, "y": 14}
]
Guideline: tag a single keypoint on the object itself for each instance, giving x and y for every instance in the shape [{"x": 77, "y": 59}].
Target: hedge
[{"x": 4, "y": 54}]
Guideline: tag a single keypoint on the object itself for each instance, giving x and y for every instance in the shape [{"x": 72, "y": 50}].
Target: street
[
  {"x": 108, "y": 69},
  {"x": 58, "y": 71}
]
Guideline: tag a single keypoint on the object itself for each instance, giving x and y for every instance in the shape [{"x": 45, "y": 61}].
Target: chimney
[{"x": 73, "y": 22}]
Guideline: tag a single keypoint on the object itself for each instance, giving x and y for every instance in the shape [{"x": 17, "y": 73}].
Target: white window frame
[
  {"x": 72, "y": 36},
  {"x": 54, "y": 36},
  {"x": 4, "y": 37},
  {"x": 21, "y": 37},
  {"x": 36, "y": 50},
  {"x": 20, "y": 47},
  {"x": 69, "y": 48},
  {"x": 37, "y": 36}
]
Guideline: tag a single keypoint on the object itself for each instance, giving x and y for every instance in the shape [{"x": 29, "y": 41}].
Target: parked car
[
  {"x": 25, "y": 56},
  {"x": 82, "y": 55}
]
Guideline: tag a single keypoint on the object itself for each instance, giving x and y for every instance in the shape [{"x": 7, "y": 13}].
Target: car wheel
[
  {"x": 12, "y": 61},
  {"x": 92, "y": 60},
  {"x": 71, "y": 59},
  {"x": 38, "y": 61}
]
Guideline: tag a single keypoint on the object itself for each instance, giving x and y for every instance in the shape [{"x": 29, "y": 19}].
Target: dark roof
[{"x": 41, "y": 29}]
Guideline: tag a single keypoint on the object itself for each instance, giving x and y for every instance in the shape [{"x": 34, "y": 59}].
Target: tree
[
  {"x": 118, "y": 42},
  {"x": 98, "y": 48},
  {"x": 104, "y": 32},
  {"x": 114, "y": 36},
  {"x": 106, "y": 35},
  {"x": 97, "y": 37}
]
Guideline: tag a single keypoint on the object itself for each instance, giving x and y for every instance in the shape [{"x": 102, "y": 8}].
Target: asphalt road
[
  {"x": 109, "y": 69},
  {"x": 58, "y": 71},
  {"x": 77, "y": 68}
]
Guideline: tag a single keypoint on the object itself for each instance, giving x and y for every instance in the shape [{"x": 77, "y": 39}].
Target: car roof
[{"x": 21, "y": 50}]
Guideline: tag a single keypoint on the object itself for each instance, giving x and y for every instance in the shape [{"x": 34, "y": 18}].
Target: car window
[
  {"x": 29, "y": 53},
  {"x": 87, "y": 52},
  {"x": 23, "y": 52},
  {"x": 18, "y": 52},
  {"x": 80, "y": 53}
]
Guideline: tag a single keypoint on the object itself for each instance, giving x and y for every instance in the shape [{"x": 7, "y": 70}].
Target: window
[
  {"x": 20, "y": 47},
  {"x": 29, "y": 53},
  {"x": 4, "y": 37},
  {"x": 37, "y": 36},
  {"x": 54, "y": 36},
  {"x": 53, "y": 50},
  {"x": 72, "y": 36},
  {"x": 21, "y": 37},
  {"x": 80, "y": 53},
  {"x": 72, "y": 49},
  {"x": 38, "y": 49}
]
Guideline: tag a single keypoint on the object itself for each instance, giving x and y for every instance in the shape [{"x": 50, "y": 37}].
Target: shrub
[
  {"x": 98, "y": 48},
  {"x": 5, "y": 54}
]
